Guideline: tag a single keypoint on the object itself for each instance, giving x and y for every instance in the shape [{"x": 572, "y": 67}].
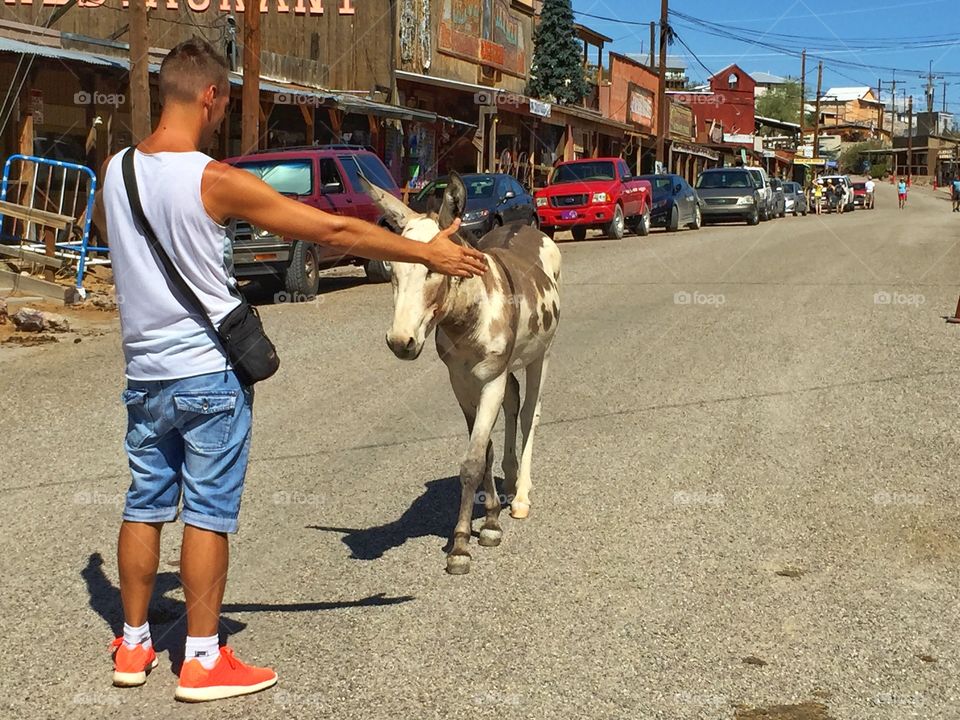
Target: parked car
[
  {"x": 599, "y": 193},
  {"x": 844, "y": 182},
  {"x": 729, "y": 194},
  {"x": 779, "y": 205},
  {"x": 762, "y": 182},
  {"x": 326, "y": 177},
  {"x": 860, "y": 194},
  {"x": 795, "y": 200},
  {"x": 492, "y": 200},
  {"x": 675, "y": 203}
]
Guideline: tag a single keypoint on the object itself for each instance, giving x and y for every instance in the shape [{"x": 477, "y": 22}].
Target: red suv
[{"x": 326, "y": 177}]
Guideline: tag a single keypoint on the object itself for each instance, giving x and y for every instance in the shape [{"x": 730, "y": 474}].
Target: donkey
[{"x": 488, "y": 328}]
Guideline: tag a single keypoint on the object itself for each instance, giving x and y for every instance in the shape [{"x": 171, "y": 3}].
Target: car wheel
[
  {"x": 615, "y": 228},
  {"x": 754, "y": 219},
  {"x": 378, "y": 271},
  {"x": 535, "y": 221},
  {"x": 548, "y": 231},
  {"x": 697, "y": 219},
  {"x": 579, "y": 234},
  {"x": 673, "y": 224},
  {"x": 804, "y": 213},
  {"x": 303, "y": 274},
  {"x": 640, "y": 225}
]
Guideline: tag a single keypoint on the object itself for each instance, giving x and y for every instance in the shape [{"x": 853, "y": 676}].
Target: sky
[{"x": 872, "y": 33}]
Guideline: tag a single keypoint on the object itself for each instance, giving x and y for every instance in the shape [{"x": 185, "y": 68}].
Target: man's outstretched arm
[{"x": 229, "y": 192}]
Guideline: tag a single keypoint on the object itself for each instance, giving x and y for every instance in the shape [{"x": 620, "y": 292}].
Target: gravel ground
[{"x": 744, "y": 499}]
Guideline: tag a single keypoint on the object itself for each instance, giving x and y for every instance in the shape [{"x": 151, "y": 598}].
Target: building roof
[
  {"x": 845, "y": 94},
  {"x": 674, "y": 62},
  {"x": 764, "y": 78},
  {"x": 591, "y": 35}
]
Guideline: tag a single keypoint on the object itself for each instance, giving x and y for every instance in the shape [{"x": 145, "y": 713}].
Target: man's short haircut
[{"x": 189, "y": 69}]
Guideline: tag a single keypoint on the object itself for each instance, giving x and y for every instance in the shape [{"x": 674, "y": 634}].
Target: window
[
  {"x": 372, "y": 168},
  {"x": 624, "y": 169},
  {"x": 583, "y": 171},
  {"x": 330, "y": 178},
  {"x": 287, "y": 177},
  {"x": 724, "y": 179},
  {"x": 517, "y": 188},
  {"x": 733, "y": 80}
]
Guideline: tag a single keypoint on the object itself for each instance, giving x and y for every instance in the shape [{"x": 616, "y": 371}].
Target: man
[
  {"x": 902, "y": 192},
  {"x": 189, "y": 418},
  {"x": 870, "y": 186},
  {"x": 956, "y": 193}
]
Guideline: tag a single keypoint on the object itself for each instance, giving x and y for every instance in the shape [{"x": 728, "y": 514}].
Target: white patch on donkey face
[{"x": 417, "y": 296}]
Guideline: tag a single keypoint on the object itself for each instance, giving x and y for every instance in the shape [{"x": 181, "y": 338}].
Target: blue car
[{"x": 675, "y": 203}]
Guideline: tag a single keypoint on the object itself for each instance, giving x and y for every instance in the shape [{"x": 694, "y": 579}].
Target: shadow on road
[
  {"x": 265, "y": 293},
  {"x": 434, "y": 513},
  {"x": 167, "y": 616}
]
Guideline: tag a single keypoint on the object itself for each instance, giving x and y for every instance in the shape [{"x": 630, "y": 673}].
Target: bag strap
[{"x": 173, "y": 275}]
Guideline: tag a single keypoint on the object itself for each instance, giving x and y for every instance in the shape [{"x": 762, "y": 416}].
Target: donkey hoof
[
  {"x": 458, "y": 564},
  {"x": 519, "y": 510},
  {"x": 490, "y": 537}
]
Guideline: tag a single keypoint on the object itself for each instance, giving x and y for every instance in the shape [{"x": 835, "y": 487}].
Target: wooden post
[
  {"x": 662, "y": 87},
  {"x": 140, "y": 121},
  {"x": 910, "y": 140},
  {"x": 816, "y": 120},
  {"x": 653, "y": 42},
  {"x": 250, "y": 100}
]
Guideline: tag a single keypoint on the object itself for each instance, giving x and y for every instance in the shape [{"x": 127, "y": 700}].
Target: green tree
[
  {"x": 781, "y": 102},
  {"x": 557, "y": 73},
  {"x": 853, "y": 157}
]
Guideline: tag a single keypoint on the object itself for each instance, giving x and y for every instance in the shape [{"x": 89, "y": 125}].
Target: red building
[{"x": 724, "y": 114}]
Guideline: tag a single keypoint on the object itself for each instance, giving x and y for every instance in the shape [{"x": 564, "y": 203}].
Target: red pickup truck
[{"x": 598, "y": 193}]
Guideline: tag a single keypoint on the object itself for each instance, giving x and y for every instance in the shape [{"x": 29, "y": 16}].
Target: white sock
[
  {"x": 133, "y": 636},
  {"x": 204, "y": 649}
]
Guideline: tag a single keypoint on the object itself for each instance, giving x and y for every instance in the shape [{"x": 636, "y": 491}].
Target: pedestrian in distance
[
  {"x": 902, "y": 192},
  {"x": 189, "y": 414},
  {"x": 870, "y": 186},
  {"x": 817, "y": 197},
  {"x": 956, "y": 193}
]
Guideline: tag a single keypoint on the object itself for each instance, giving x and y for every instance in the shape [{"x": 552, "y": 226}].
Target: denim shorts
[{"x": 188, "y": 438}]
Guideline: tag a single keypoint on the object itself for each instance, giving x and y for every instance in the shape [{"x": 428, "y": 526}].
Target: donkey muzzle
[{"x": 404, "y": 347}]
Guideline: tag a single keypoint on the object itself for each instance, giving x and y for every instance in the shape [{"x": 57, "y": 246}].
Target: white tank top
[{"x": 163, "y": 337}]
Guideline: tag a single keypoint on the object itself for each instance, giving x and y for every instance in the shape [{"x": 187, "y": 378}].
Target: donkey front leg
[
  {"x": 472, "y": 472},
  {"x": 529, "y": 420}
]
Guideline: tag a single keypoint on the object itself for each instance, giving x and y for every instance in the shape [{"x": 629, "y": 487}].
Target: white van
[
  {"x": 766, "y": 192},
  {"x": 846, "y": 183}
]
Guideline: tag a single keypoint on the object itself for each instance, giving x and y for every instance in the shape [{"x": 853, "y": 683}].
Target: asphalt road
[{"x": 748, "y": 452}]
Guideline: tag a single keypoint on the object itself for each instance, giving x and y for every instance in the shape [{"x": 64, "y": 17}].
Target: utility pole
[
  {"x": 653, "y": 42},
  {"x": 803, "y": 89},
  {"x": 140, "y": 122},
  {"x": 662, "y": 108},
  {"x": 944, "y": 96},
  {"x": 816, "y": 127},
  {"x": 893, "y": 103},
  {"x": 250, "y": 99},
  {"x": 930, "y": 89},
  {"x": 910, "y": 140},
  {"x": 879, "y": 109}
]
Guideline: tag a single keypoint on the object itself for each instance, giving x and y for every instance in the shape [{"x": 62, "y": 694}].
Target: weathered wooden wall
[{"x": 336, "y": 50}]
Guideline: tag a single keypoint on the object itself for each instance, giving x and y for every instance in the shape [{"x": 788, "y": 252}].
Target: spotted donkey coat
[{"x": 488, "y": 328}]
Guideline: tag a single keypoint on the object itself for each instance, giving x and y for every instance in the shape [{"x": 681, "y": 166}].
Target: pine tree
[{"x": 557, "y": 73}]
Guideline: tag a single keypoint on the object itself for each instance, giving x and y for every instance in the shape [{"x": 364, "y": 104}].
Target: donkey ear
[
  {"x": 454, "y": 201},
  {"x": 394, "y": 212}
]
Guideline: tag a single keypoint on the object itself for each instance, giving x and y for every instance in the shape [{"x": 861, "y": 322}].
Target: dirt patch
[
  {"x": 804, "y": 711},
  {"x": 754, "y": 660},
  {"x": 85, "y": 321},
  {"x": 790, "y": 571},
  {"x": 30, "y": 339}
]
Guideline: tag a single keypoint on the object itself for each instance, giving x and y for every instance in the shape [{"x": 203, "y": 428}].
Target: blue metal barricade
[{"x": 54, "y": 189}]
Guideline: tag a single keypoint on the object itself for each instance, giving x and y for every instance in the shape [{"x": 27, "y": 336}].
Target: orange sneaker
[
  {"x": 130, "y": 666},
  {"x": 228, "y": 678}
]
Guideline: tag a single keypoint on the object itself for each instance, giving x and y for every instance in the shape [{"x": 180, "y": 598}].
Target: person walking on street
[
  {"x": 870, "y": 186},
  {"x": 817, "y": 197},
  {"x": 902, "y": 192},
  {"x": 956, "y": 193},
  {"x": 188, "y": 414}
]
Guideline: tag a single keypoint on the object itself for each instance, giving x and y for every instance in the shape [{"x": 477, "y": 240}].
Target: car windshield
[
  {"x": 791, "y": 188},
  {"x": 859, "y": 186},
  {"x": 584, "y": 171},
  {"x": 478, "y": 186},
  {"x": 287, "y": 177},
  {"x": 757, "y": 177},
  {"x": 721, "y": 179}
]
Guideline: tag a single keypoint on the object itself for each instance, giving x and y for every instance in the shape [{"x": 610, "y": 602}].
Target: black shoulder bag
[{"x": 252, "y": 355}]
